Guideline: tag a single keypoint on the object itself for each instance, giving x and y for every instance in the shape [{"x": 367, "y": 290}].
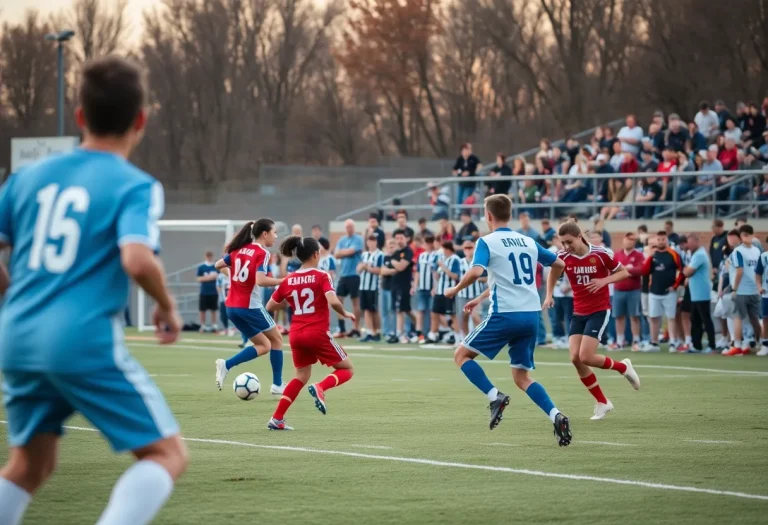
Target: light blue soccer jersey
[
  {"x": 762, "y": 272},
  {"x": 510, "y": 259},
  {"x": 66, "y": 218},
  {"x": 746, "y": 258}
]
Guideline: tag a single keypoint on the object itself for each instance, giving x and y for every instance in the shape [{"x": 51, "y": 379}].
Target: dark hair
[
  {"x": 111, "y": 94},
  {"x": 643, "y": 228},
  {"x": 422, "y": 220},
  {"x": 466, "y": 213},
  {"x": 322, "y": 241},
  {"x": 302, "y": 249},
  {"x": 746, "y": 228},
  {"x": 402, "y": 212},
  {"x": 669, "y": 223},
  {"x": 250, "y": 231},
  {"x": 703, "y": 104},
  {"x": 373, "y": 215},
  {"x": 499, "y": 206},
  {"x": 733, "y": 232},
  {"x": 570, "y": 227},
  {"x": 317, "y": 227},
  {"x": 372, "y": 237},
  {"x": 661, "y": 233},
  {"x": 398, "y": 232},
  {"x": 682, "y": 239},
  {"x": 573, "y": 217},
  {"x": 429, "y": 239},
  {"x": 718, "y": 222},
  {"x": 448, "y": 245}
]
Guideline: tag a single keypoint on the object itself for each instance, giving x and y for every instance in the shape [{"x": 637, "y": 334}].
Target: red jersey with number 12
[
  {"x": 244, "y": 264},
  {"x": 305, "y": 292},
  {"x": 598, "y": 263}
]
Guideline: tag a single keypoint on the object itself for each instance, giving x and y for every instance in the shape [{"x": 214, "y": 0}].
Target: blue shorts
[
  {"x": 424, "y": 301},
  {"x": 122, "y": 402},
  {"x": 764, "y": 307},
  {"x": 251, "y": 321},
  {"x": 516, "y": 329},
  {"x": 626, "y": 304}
]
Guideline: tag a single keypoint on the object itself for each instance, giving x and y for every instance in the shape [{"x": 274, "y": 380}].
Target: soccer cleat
[
  {"x": 367, "y": 339},
  {"x": 404, "y": 339},
  {"x": 339, "y": 334},
  {"x": 497, "y": 407},
  {"x": 414, "y": 339},
  {"x": 392, "y": 340},
  {"x": 422, "y": 339},
  {"x": 631, "y": 375},
  {"x": 563, "y": 430},
  {"x": 672, "y": 348},
  {"x": 613, "y": 347},
  {"x": 636, "y": 347},
  {"x": 683, "y": 348},
  {"x": 734, "y": 351},
  {"x": 277, "y": 424},
  {"x": 601, "y": 410},
  {"x": 277, "y": 390},
  {"x": 707, "y": 350},
  {"x": 762, "y": 352},
  {"x": 376, "y": 338},
  {"x": 221, "y": 372},
  {"x": 353, "y": 333},
  {"x": 319, "y": 396},
  {"x": 651, "y": 348}
]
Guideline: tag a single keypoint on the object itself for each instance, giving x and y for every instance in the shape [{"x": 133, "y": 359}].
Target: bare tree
[{"x": 101, "y": 27}]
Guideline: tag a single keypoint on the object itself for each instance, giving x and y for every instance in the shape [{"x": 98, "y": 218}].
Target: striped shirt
[
  {"x": 453, "y": 263},
  {"x": 474, "y": 289},
  {"x": 222, "y": 283},
  {"x": 427, "y": 264},
  {"x": 369, "y": 282},
  {"x": 327, "y": 264}
]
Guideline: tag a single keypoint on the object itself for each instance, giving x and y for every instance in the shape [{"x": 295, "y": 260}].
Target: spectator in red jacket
[
  {"x": 626, "y": 296},
  {"x": 729, "y": 156}
]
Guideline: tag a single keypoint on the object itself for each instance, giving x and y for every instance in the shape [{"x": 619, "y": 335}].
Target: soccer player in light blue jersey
[
  {"x": 80, "y": 225},
  {"x": 510, "y": 259}
]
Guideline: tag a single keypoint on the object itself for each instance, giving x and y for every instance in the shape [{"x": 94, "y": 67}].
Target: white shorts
[
  {"x": 662, "y": 305},
  {"x": 644, "y": 304}
]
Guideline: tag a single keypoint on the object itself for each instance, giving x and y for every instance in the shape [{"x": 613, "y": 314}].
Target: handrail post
[
  {"x": 634, "y": 197},
  {"x": 378, "y": 191},
  {"x": 674, "y": 197}
]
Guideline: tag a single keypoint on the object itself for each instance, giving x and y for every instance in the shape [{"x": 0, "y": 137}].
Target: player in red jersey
[
  {"x": 309, "y": 292},
  {"x": 590, "y": 270},
  {"x": 247, "y": 261}
]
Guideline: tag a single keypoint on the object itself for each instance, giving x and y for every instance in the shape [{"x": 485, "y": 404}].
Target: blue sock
[
  {"x": 276, "y": 360},
  {"x": 477, "y": 376},
  {"x": 539, "y": 396},
  {"x": 246, "y": 354}
]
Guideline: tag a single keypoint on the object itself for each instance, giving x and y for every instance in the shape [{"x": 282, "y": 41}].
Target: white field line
[
  {"x": 711, "y": 441},
  {"x": 499, "y": 362},
  {"x": 377, "y": 447},
  {"x": 607, "y": 443},
  {"x": 499, "y": 444},
  {"x": 470, "y": 466}
]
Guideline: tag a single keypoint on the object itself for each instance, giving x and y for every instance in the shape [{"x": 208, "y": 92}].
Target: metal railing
[
  {"x": 708, "y": 199},
  {"x": 381, "y": 202}
]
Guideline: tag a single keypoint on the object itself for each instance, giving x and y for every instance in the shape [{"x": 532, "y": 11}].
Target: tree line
[{"x": 236, "y": 83}]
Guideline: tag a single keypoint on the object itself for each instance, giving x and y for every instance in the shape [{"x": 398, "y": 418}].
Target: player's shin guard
[
  {"x": 246, "y": 354},
  {"x": 594, "y": 388},
  {"x": 539, "y": 396},
  {"x": 610, "y": 364},
  {"x": 337, "y": 378},
  {"x": 291, "y": 392},
  {"x": 138, "y": 495},
  {"x": 13, "y": 502},
  {"x": 276, "y": 360},
  {"x": 477, "y": 377}
]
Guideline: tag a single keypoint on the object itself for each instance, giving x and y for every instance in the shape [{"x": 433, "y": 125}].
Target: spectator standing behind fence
[
  {"x": 387, "y": 306},
  {"x": 468, "y": 231},
  {"x": 465, "y": 168},
  {"x": 209, "y": 298},
  {"x": 744, "y": 289},
  {"x": 626, "y": 297},
  {"x": 699, "y": 274},
  {"x": 423, "y": 284},
  {"x": 503, "y": 172},
  {"x": 402, "y": 225},
  {"x": 349, "y": 251},
  {"x": 707, "y": 121},
  {"x": 402, "y": 275},
  {"x": 375, "y": 229},
  {"x": 317, "y": 231},
  {"x": 440, "y": 200},
  {"x": 369, "y": 269}
]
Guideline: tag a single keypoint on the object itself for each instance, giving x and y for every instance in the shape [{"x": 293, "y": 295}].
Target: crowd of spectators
[{"x": 715, "y": 140}]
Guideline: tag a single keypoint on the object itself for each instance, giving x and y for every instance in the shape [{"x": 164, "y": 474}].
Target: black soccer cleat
[
  {"x": 497, "y": 409},
  {"x": 563, "y": 430}
]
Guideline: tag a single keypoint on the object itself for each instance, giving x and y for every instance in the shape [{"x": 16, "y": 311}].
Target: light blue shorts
[
  {"x": 122, "y": 402},
  {"x": 251, "y": 321},
  {"x": 516, "y": 329}
]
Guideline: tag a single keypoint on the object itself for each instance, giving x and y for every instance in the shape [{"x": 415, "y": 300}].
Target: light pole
[{"x": 60, "y": 38}]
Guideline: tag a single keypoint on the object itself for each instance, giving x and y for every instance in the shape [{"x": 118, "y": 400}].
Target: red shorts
[{"x": 309, "y": 347}]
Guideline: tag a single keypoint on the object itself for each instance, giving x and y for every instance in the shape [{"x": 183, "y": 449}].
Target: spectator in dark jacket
[
  {"x": 504, "y": 172},
  {"x": 465, "y": 168},
  {"x": 698, "y": 142},
  {"x": 674, "y": 137},
  {"x": 722, "y": 113}
]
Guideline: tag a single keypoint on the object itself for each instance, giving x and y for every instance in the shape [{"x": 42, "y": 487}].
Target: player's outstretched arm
[
  {"x": 333, "y": 302},
  {"x": 263, "y": 280},
  {"x": 469, "y": 279},
  {"x": 273, "y": 306},
  {"x": 555, "y": 271}
]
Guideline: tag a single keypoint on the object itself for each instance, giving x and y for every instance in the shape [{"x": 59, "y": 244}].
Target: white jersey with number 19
[{"x": 510, "y": 259}]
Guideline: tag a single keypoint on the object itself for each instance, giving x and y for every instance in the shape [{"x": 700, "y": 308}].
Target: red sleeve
[
  {"x": 679, "y": 265},
  {"x": 647, "y": 265},
  {"x": 610, "y": 261},
  {"x": 280, "y": 292},
  {"x": 326, "y": 284}
]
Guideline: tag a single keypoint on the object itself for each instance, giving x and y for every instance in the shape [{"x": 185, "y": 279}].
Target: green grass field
[{"x": 407, "y": 442}]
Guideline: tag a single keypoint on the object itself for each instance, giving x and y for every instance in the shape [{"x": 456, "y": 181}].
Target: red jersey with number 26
[
  {"x": 244, "y": 264},
  {"x": 598, "y": 263},
  {"x": 305, "y": 292}
]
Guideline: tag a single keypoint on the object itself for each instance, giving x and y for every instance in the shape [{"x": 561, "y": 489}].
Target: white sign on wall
[{"x": 28, "y": 150}]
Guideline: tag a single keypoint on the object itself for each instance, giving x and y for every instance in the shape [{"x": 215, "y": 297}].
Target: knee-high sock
[
  {"x": 539, "y": 395},
  {"x": 610, "y": 364},
  {"x": 246, "y": 354},
  {"x": 276, "y": 360},
  {"x": 13, "y": 502},
  {"x": 336, "y": 378},
  {"x": 138, "y": 495},
  {"x": 594, "y": 388},
  {"x": 291, "y": 392},
  {"x": 477, "y": 377}
]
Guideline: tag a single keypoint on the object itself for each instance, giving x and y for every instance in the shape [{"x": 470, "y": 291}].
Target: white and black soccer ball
[{"x": 246, "y": 386}]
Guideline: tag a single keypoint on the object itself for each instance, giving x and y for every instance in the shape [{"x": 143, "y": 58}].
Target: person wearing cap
[
  {"x": 675, "y": 137},
  {"x": 630, "y": 136}
]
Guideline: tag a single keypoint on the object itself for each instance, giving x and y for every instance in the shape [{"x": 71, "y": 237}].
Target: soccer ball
[{"x": 246, "y": 386}]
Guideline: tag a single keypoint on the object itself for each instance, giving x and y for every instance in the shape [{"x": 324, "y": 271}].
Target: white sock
[
  {"x": 13, "y": 502},
  {"x": 620, "y": 340},
  {"x": 553, "y": 414},
  {"x": 492, "y": 393},
  {"x": 737, "y": 343},
  {"x": 138, "y": 495}
]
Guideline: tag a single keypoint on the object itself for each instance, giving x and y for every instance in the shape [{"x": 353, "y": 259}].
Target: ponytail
[
  {"x": 302, "y": 249},
  {"x": 570, "y": 227},
  {"x": 242, "y": 238}
]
